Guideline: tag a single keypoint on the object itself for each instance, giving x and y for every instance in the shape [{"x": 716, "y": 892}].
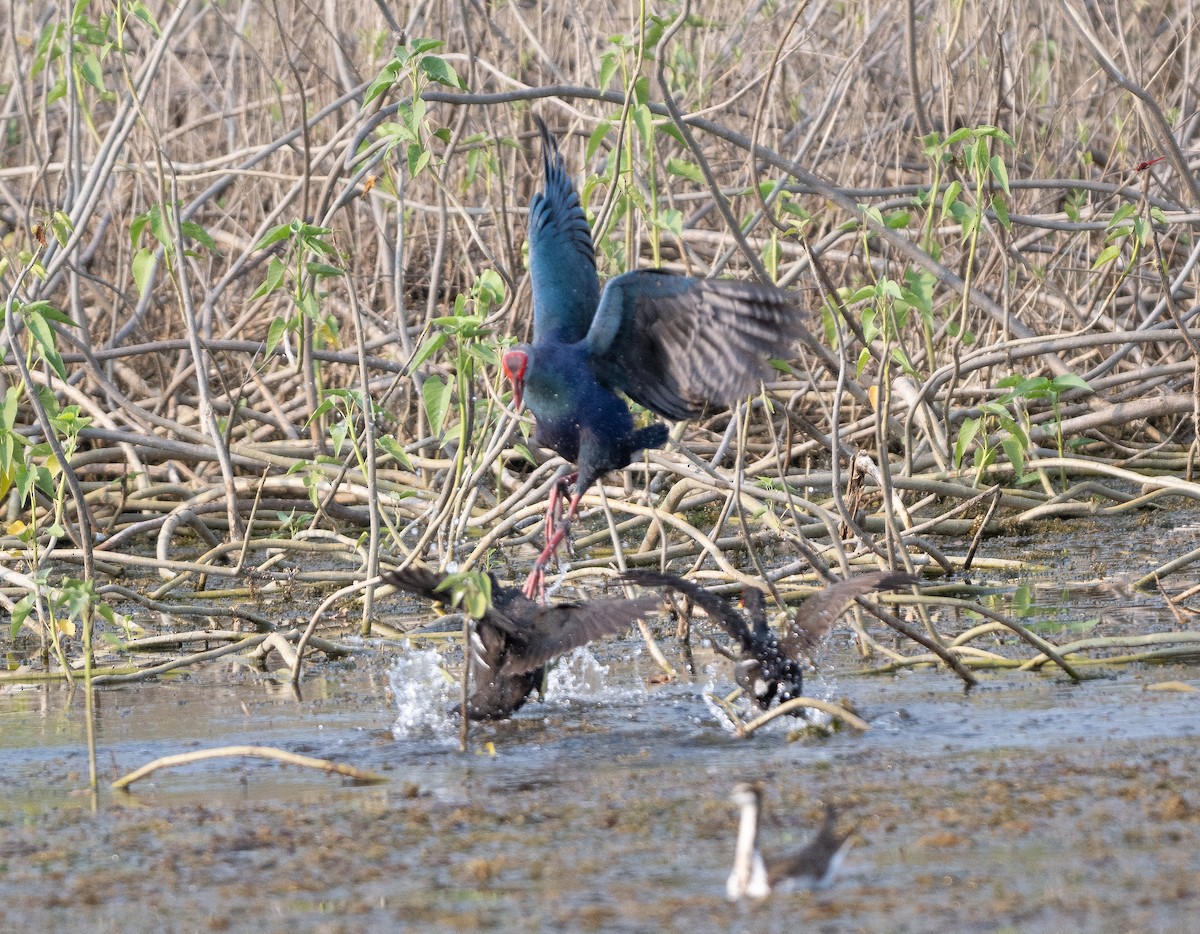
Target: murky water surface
[{"x": 1031, "y": 804}]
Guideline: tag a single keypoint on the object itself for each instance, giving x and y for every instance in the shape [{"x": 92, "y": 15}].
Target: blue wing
[
  {"x": 679, "y": 345},
  {"x": 562, "y": 259}
]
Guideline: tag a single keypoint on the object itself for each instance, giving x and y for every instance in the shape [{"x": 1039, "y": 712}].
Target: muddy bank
[{"x": 1031, "y": 804}]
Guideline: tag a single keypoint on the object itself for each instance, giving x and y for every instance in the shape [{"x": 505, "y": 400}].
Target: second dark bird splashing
[
  {"x": 772, "y": 666},
  {"x": 516, "y": 637},
  {"x": 677, "y": 345}
]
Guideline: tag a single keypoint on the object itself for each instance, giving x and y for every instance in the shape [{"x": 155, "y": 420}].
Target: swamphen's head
[{"x": 515, "y": 363}]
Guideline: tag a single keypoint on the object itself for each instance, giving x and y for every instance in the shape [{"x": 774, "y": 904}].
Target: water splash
[
  {"x": 716, "y": 710},
  {"x": 579, "y": 674},
  {"x": 424, "y": 695},
  {"x": 783, "y": 725}
]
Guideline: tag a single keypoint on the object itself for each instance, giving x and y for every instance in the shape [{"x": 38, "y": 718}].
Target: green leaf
[
  {"x": 275, "y": 273},
  {"x": 441, "y": 71},
  {"x": 319, "y": 270},
  {"x": 671, "y": 130},
  {"x": 44, "y": 335},
  {"x": 1107, "y": 255},
  {"x": 8, "y": 413},
  {"x": 274, "y": 235},
  {"x": 139, "y": 10},
  {"x": 135, "y": 228},
  {"x": 966, "y": 434},
  {"x": 432, "y": 344},
  {"x": 159, "y": 228},
  {"x": 1141, "y": 229},
  {"x": 394, "y": 448},
  {"x": 385, "y": 79},
  {"x": 956, "y": 137},
  {"x": 1015, "y": 454},
  {"x": 420, "y": 46},
  {"x": 609, "y": 62},
  {"x": 950, "y": 196},
  {"x": 199, "y": 234},
  {"x": 1068, "y": 381},
  {"x": 92, "y": 71},
  {"x": 143, "y": 269},
  {"x": 49, "y": 312},
  {"x": 398, "y": 132},
  {"x": 1000, "y": 209},
  {"x": 685, "y": 169},
  {"x": 597, "y": 137},
  {"x": 19, "y": 614},
  {"x": 671, "y": 219},
  {"x": 979, "y": 155},
  {"x": 475, "y": 603},
  {"x": 274, "y": 335},
  {"x": 644, "y": 121},
  {"x": 1120, "y": 214},
  {"x": 641, "y": 85},
  {"x": 435, "y": 395},
  {"x": 418, "y": 158},
  {"x": 337, "y": 434},
  {"x": 1000, "y": 172},
  {"x": 415, "y": 114}
]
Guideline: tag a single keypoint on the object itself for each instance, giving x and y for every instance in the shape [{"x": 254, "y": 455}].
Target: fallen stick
[{"x": 261, "y": 752}]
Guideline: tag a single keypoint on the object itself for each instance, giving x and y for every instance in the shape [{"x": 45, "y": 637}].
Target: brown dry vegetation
[{"x": 956, "y": 267}]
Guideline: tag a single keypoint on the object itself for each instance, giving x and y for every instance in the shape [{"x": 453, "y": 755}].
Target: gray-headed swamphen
[{"x": 677, "y": 345}]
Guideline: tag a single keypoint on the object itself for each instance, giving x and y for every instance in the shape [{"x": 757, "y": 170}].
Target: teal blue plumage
[{"x": 677, "y": 345}]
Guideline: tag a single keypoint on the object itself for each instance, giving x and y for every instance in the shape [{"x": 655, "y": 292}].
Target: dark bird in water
[
  {"x": 772, "y": 666},
  {"x": 515, "y": 637},
  {"x": 813, "y": 867},
  {"x": 677, "y": 345}
]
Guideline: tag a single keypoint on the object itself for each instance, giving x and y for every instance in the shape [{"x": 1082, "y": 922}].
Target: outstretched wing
[
  {"x": 679, "y": 345},
  {"x": 567, "y": 626},
  {"x": 419, "y": 580},
  {"x": 562, "y": 259},
  {"x": 509, "y": 610},
  {"x": 717, "y": 608},
  {"x": 816, "y": 615}
]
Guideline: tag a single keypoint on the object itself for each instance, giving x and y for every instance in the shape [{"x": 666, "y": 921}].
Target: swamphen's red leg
[
  {"x": 554, "y": 505},
  {"x": 535, "y": 584}
]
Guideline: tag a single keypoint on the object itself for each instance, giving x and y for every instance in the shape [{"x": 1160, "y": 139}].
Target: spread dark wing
[
  {"x": 558, "y": 629},
  {"x": 679, "y": 345},
  {"x": 562, "y": 260},
  {"x": 419, "y": 580},
  {"x": 509, "y": 610},
  {"x": 717, "y": 608},
  {"x": 816, "y": 615}
]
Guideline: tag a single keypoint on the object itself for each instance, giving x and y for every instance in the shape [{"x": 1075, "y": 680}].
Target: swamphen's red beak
[{"x": 514, "y": 363}]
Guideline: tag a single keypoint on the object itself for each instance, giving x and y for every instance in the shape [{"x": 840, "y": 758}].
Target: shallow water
[{"x": 1029, "y": 804}]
